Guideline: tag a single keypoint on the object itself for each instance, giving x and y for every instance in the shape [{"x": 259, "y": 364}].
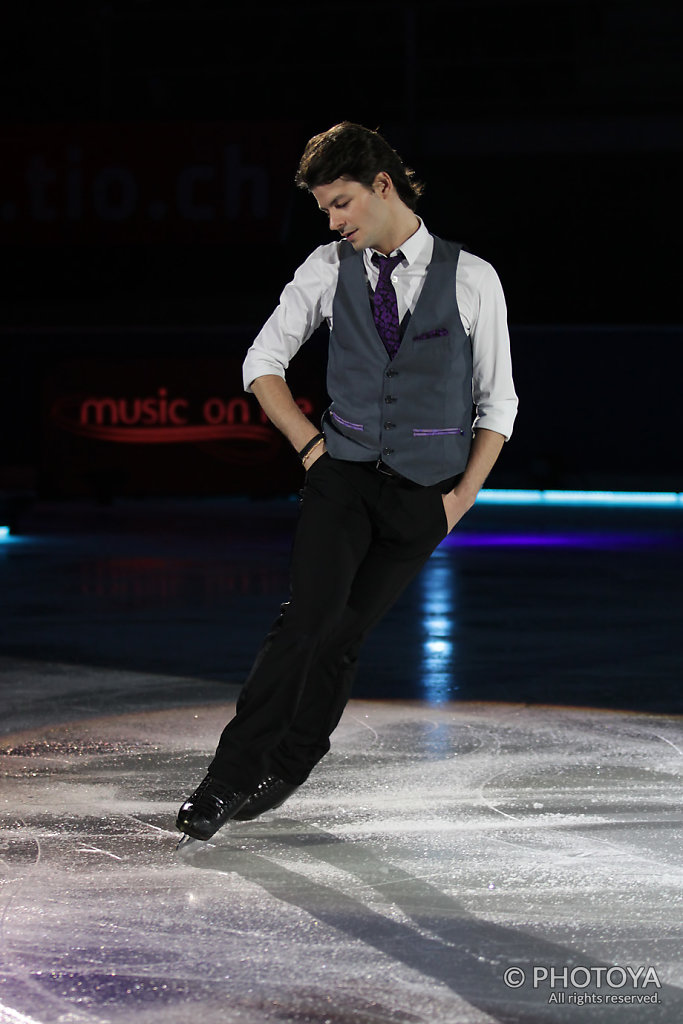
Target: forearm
[
  {"x": 486, "y": 447},
  {"x": 276, "y": 400}
]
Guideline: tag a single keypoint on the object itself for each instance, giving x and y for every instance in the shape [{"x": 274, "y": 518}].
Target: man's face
[{"x": 358, "y": 213}]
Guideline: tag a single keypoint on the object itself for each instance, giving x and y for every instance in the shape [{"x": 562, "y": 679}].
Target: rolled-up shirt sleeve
[
  {"x": 304, "y": 304},
  {"x": 493, "y": 390}
]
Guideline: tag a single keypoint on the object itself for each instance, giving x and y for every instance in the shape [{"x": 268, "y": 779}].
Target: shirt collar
[{"x": 411, "y": 248}]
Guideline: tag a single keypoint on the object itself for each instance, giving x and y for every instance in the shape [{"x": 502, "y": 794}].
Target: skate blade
[{"x": 185, "y": 841}]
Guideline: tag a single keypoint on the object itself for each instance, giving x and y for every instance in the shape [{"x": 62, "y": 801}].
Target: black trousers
[{"x": 361, "y": 538}]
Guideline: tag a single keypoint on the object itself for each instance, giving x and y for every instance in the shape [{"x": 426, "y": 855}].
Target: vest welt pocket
[
  {"x": 346, "y": 423},
  {"x": 438, "y": 332},
  {"x": 437, "y": 431}
]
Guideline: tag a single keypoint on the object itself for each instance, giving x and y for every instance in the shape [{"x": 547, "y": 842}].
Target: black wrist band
[{"x": 311, "y": 444}]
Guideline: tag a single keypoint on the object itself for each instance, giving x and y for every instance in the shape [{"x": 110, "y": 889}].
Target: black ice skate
[
  {"x": 208, "y": 808},
  {"x": 269, "y": 794}
]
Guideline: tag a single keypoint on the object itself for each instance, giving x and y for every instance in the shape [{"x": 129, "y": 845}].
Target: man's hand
[
  {"x": 485, "y": 450},
  {"x": 455, "y": 506}
]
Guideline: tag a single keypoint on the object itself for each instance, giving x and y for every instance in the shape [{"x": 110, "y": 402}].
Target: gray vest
[{"x": 415, "y": 411}]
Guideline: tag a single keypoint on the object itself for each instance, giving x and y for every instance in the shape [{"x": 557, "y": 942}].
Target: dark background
[{"x": 148, "y": 217}]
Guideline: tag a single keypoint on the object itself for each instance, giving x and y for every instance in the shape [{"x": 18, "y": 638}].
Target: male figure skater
[{"x": 418, "y": 342}]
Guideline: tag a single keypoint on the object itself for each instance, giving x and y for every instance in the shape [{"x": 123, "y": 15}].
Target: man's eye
[{"x": 340, "y": 206}]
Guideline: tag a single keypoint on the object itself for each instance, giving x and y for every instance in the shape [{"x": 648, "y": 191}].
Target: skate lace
[{"x": 209, "y": 793}]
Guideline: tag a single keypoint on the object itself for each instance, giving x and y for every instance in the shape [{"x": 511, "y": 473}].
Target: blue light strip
[{"x": 583, "y": 499}]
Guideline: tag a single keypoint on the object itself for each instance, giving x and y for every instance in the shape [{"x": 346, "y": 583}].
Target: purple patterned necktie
[{"x": 384, "y": 304}]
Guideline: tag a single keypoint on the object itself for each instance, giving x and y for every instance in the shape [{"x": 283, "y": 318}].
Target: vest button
[
  {"x": 387, "y": 451},
  {"x": 389, "y": 399},
  {"x": 392, "y": 373},
  {"x": 389, "y": 426}
]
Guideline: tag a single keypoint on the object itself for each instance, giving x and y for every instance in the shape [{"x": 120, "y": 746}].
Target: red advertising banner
[
  {"x": 145, "y": 182},
  {"x": 171, "y": 426}
]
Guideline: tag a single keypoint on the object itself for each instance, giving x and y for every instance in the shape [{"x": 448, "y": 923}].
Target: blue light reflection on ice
[
  {"x": 438, "y": 626},
  {"x": 582, "y": 499}
]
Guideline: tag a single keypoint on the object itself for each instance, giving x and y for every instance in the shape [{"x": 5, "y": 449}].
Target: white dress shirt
[{"x": 308, "y": 300}]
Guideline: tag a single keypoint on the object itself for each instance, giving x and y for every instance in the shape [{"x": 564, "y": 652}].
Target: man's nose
[{"x": 336, "y": 221}]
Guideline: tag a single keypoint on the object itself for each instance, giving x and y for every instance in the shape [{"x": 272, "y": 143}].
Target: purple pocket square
[{"x": 438, "y": 332}]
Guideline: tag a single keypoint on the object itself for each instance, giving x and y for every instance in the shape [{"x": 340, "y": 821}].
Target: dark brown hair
[{"x": 350, "y": 151}]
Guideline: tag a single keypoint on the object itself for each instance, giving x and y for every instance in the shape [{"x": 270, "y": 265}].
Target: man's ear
[{"x": 382, "y": 185}]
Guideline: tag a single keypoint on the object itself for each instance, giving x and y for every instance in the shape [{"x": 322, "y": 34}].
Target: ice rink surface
[
  {"x": 473, "y": 849},
  {"x": 434, "y": 850}
]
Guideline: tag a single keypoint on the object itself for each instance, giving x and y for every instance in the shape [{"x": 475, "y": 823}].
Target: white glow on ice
[
  {"x": 442, "y": 647},
  {"x": 438, "y": 626}
]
